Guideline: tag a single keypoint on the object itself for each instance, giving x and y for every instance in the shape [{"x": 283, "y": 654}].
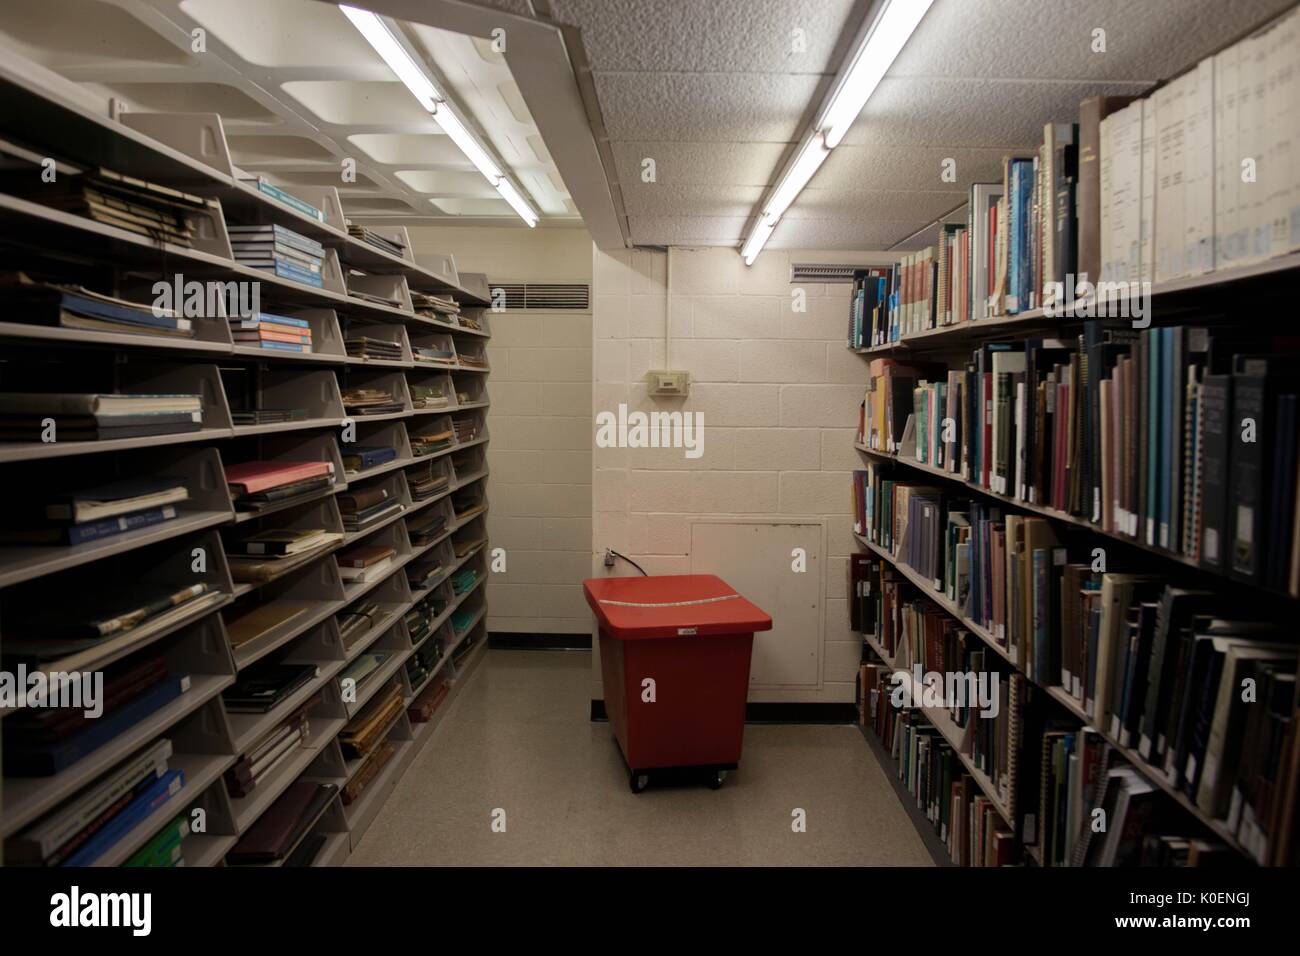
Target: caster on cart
[
  {"x": 715, "y": 779},
  {"x": 638, "y": 781}
]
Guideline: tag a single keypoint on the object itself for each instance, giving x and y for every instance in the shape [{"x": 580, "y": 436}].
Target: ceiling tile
[
  {"x": 840, "y": 233},
  {"x": 717, "y": 36},
  {"x": 907, "y": 167},
  {"x": 1145, "y": 41},
  {"x": 986, "y": 113},
  {"x": 873, "y": 205},
  {"x": 681, "y": 230},
  {"x": 704, "y": 107},
  {"x": 729, "y": 164},
  {"x": 670, "y": 199}
]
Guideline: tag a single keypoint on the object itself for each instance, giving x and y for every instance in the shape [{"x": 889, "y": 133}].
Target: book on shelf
[
  {"x": 158, "y": 793},
  {"x": 357, "y": 621},
  {"x": 25, "y": 756},
  {"x": 364, "y": 731},
  {"x": 103, "y": 621},
  {"x": 246, "y": 623},
  {"x": 166, "y": 848},
  {"x": 428, "y": 701},
  {"x": 262, "y": 477},
  {"x": 369, "y": 347},
  {"x": 427, "y": 444},
  {"x": 358, "y": 458},
  {"x": 271, "y": 750},
  {"x": 74, "y": 534},
  {"x": 370, "y": 401},
  {"x": 374, "y": 762},
  {"x": 265, "y": 685},
  {"x": 143, "y": 208},
  {"x": 96, "y": 417},
  {"x": 279, "y": 829},
  {"x": 259, "y": 569},
  {"x": 115, "y": 498},
  {"x": 428, "y": 396},
  {"x": 390, "y": 244},
  {"x": 55, "y": 836},
  {"x": 281, "y": 541},
  {"x": 366, "y": 563},
  {"x": 61, "y": 305},
  {"x": 364, "y": 667}
]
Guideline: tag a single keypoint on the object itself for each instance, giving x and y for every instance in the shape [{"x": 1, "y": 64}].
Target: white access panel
[{"x": 757, "y": 558}]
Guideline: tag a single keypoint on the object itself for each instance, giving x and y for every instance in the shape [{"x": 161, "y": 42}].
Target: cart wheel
[
  {"x": 716, "y": 778},
  {"x": 638, "y": 781}
]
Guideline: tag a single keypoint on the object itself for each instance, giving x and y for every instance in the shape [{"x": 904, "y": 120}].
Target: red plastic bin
[{"x": 692, "y": 634}]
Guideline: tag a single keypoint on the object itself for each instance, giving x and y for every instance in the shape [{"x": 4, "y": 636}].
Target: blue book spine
[
  {"x": 287, "y": 270},
  {"x": 301, "y": 243},
  {"x": 282, "y": 320},
  {"x": 101, "y": 731},
  {"x": 96, "y": 309},
  {"x": 306, "y": 208},
  {"x": 163, "y": 789},
  {"x": 1013, "y": 224},
  {"x": 108, "y": 527},
  {"x": 284, "y": 346},
  {"x": 1169, "y": 431}
]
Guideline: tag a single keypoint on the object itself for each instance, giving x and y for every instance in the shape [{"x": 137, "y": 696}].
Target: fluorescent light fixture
[
  {"x": 808, "y": 162},
  {"x": 459, "y": 134},
  {"x": 873, "y": 57},
  {"x": 870, "y": 63},
  {"x": 394, "y": 54},
  {"x": 754, "y": 244},
  {"x": 511, "y": 195},
  {"x": 412, "y": 74}
]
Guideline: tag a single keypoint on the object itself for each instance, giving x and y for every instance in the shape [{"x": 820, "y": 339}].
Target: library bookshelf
[
  {"x": 932, "y": 323},
  {"x": 437, "y": 620}
]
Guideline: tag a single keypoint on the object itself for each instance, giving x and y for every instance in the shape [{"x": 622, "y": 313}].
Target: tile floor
[{"x": 518, "y": 739}]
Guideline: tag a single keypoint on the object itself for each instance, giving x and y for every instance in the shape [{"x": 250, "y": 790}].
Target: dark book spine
[
  {"x": 1216, "y": 399},
  {"x": 1246, "y": 505},
  {"x": 1088, "y": 196}
]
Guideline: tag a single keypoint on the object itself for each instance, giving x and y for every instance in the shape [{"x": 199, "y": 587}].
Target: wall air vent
[
  {"x": 813, "y": 272},
  {"x": 541, "y": 296}
]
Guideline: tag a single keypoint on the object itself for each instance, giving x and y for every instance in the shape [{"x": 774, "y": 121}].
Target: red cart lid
[{"x": 671, "y": 605}]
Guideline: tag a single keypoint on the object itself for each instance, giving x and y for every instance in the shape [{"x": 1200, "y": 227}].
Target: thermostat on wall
[{"x": 669, "y": 384}]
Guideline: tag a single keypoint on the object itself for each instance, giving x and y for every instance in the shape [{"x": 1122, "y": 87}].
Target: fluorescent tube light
[
  {"x": 459, "y": 134},
  {"x": 517, "y": 202},
  {"x": 754, "y": 244},
  {"x": 808, "y": 162},
  {"x": 871, "y": 60},
  {"x": 412, "y": 74},
  {"x": 394, "y": 54},
  {"x": 870, "y": 63}
]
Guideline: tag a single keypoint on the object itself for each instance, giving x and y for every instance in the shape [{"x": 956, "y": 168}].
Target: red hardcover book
[{"x": 251, "y": 477}]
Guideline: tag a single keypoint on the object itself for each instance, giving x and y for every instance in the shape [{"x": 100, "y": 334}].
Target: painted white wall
[
  {"x": 539, "y": 456},
  {"x": 779, "y": 392}
]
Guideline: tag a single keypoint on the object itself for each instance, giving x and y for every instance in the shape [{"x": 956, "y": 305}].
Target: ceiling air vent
[
  {"x": 548, "y": 296},
  {"x": 812, "y": 272}
]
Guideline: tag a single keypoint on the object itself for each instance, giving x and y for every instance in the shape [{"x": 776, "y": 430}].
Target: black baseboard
[
  {"x": 778, "y": 713},
  {"x": 924, "y": 828},
  {"x": 520, "y": 641}
]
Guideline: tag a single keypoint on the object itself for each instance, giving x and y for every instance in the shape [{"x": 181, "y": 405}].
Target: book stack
[
  {"x": 869, "y": 306},
  {"x": 471, "y": 359},
  {"x": 362, "y": 507},
  {"x": 423, "y": 483},
  {"x": 463, "y": 580},
  {"x": 427, "y": 529},
  {"x": 166, "y": 848},
  {"x": 466, "y": 546},
  {"x": 83, "y": 829},
  {"x": 466, "y": 428},
  {"x": 268, "y": 555},
  {"x": 427, "y": 444},
  {"x": 390, "y": 245},
  {"x": 370, "y": 401},
  {"x": 96, "y": 417},
  {"x": 428, "y": 701},
  {"x": 467, "y": 505},
  {"x": 424, "y": 571},
  {"x": 271, "y": 751},
  {"x": 247, "y": 621},
  {"x": 434, "y": 355},
  {"x": 442, "y": 310},
  {"x": 73, "y": 307},
  {"x": 267, "y": 188},
  {"x": 467, "y": 321},
  {"x": 423, "y": 661},
  {"x": 73, "y": 636},
  {"x": 259, "y": 485},
  {"x": 361, "y": 458},
  {"x": 265, "y": 685},
  {"x": 428, "y": 396},
  {"x": 280, "y": 333},
  {"x": 356, "y": 622},
  {"x": 125, "y": 202},
  {"x": 40, "y": 742},
  {"x": 419, "y": 621},
  {"x": 366, "y": 347},
  {"x": 371, "y": 724},
  {"x": 366, "y": 563},
  {"x": 278, "y": 250},
  {"x": 93, "y": 514},
  {"x": 283, "y": 827},
  {"x": 364, "y": 668}
]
